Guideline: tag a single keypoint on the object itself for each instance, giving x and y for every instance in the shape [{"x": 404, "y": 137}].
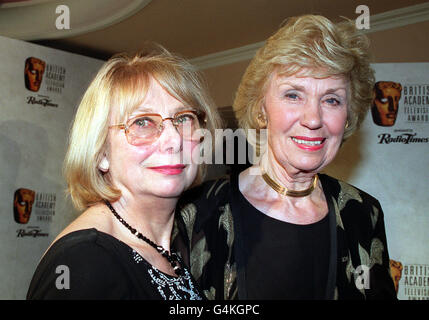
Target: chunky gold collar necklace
[{"x": 284, "y": 191}]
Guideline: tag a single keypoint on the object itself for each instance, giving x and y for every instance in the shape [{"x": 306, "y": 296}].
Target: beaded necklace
[{"x": 171, "y": 257}]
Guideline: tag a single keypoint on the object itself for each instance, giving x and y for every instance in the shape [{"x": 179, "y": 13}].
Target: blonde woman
[
  {"x": 128, "y": 161},
  {"x": 281, "y": 229}
]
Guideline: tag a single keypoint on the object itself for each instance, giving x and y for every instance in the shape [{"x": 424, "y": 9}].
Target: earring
[
  {"x": 104, "y": 165},
  {"x": 347, "y": 124},
  {"x": 262, "y": 120}
]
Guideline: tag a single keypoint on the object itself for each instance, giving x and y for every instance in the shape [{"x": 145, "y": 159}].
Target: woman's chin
[
  {"x": 170, "y": 189},
  {"x": 310, "y": 167}
]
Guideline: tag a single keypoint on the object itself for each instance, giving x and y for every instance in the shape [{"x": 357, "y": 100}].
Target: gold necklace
[{"x": 284, "y": 191}]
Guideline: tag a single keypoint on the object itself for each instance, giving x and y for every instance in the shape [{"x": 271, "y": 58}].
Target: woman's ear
[
  {"x": 262, "y": 118},
  {"x": 104, "y": 165}
]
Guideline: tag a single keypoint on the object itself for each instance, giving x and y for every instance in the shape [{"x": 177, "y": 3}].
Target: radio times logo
[
  {"x": 37, "y": 207},
  {"x": 42, "y": 76}
]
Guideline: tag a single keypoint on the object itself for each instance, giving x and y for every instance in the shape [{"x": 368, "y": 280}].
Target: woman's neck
[
  {"x": 297, "y": 210},
  {"x": 286, "y": 176},
  {"x": 151, "y": 216}
]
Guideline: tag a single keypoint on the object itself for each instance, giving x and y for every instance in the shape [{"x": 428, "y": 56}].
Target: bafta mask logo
[
  {"x": 22, "y": 205},
  {"x": 33, "y": 74},
  {"x": 396, "y": 272},
  {"x": 385, "y": 102}
]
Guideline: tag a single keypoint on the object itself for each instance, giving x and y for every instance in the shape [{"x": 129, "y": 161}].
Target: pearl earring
[{"x": 104, "y": 165}]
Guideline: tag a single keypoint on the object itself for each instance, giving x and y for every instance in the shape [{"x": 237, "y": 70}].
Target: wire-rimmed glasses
[{"x": 147, "y": 127}]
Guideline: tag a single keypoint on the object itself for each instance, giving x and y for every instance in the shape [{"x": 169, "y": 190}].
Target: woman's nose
[
  {"x": 170, "y": 140},
  {"x": 312, "y": 114}
]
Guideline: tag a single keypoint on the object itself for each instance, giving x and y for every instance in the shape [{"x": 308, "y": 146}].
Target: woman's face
[
  {"x": 306, "y": 118},
  {"x": 162, "y": 168}
]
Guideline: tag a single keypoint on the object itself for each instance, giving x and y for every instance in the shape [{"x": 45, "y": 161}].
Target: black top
[
  {"x": 89, "y": 264},
  {"x": 212, "y": 240},
  {"x": 298, "y": 255}
]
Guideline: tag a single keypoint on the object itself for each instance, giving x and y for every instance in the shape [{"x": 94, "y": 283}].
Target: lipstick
[
  {"x": 169, "y": 169},
  {"x": 308, "y": 143}
]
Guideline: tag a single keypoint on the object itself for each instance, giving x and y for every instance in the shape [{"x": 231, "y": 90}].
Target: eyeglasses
[{"x": 146, "y": 128}]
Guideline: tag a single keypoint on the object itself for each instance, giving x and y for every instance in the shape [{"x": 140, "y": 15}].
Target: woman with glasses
[{"x": 135, "y": 134}]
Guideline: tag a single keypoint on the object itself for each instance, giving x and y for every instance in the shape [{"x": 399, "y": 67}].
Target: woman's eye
[
  {"x": 292, "y": 96},
  {"x": 185, "y": 118},
  {"x": 333, "y": 101},
  {"x": 144, "y": 122}
]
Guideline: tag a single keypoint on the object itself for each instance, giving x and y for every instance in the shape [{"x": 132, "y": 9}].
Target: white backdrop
[
  {"x": 33, "y": 135},
  {"x": 397, "y": 173}
]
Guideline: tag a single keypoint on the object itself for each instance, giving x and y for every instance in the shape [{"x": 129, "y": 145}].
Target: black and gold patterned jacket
[{"x": 208, "y": 235}]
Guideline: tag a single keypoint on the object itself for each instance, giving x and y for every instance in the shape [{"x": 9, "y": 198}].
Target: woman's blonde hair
[
  {"x": 323, "y": 48},
  {"x": 122, "y": 83}
]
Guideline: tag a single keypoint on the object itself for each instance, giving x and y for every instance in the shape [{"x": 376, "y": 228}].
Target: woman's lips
[
  {"x": 309, "y": 143},
  {"x": 170, "y": 169}
]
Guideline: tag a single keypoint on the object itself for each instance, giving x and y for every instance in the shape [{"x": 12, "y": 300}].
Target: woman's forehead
[
  {"x": 304, "y": 72},
  {"x": 151, "y": 98},
  {"x": 303, "y": 80}
]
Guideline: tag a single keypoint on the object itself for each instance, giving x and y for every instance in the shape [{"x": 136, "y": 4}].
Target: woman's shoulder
[
  {"x": 93, "y": 217},
  {"x": 73, "y": 241},
  {"x": 200, "y": 205},
  {"x": 74, "y": 267},
  {"x": 207, "y": 193},
  {"x": 90, "y": 234},
  {"x": 354, "y": 207},
  {"x": 344, "y": 192}
]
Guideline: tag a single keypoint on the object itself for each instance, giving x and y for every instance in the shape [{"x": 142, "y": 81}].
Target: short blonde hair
[
  {"x": 122, "y": 83},
  {"x": 324, "y": 48}
]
